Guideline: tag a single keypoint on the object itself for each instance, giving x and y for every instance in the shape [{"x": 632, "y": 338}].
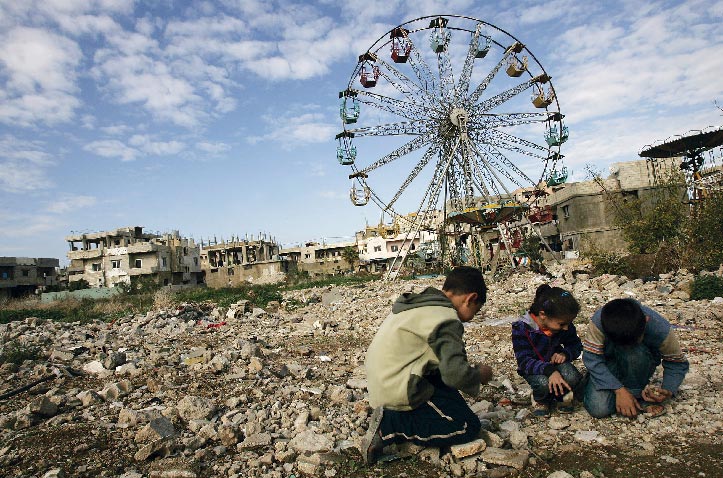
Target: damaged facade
[
  {"x": 24, "y": 275},
  {"x": 110, "y": 258},
  {"x": 242, "y": 261},
  {"x": 320, "y": 259}
]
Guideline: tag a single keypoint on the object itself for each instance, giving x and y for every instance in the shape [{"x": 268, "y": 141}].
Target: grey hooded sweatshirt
[{"x": 422, "y": 336}]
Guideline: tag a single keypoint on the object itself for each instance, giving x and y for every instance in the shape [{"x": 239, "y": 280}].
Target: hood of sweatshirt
[{"x": 428, "y": 297}]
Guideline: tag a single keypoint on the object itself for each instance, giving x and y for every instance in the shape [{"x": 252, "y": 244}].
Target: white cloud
[
  {"x": 70, "y": 203},
  {"x": 38, "y": 68},
  {"x": 212, "y": 148},
  {"x": 112, "y": 148},
  {"x": 304, "y": 129},
  {"x": 23, "y": 165},
  {"x": 158, "y": 148}
]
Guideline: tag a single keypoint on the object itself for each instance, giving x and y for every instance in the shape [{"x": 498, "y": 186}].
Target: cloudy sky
[{"x": 218, "y": 118}]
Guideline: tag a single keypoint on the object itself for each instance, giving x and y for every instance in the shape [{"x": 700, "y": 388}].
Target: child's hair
[
  {"x": 623, "y": 321},
  {"x": 465, "y": 279},
  {"x": 556, "y": 302}
]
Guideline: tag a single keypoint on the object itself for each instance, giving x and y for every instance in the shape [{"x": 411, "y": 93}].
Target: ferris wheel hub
[{"x": 458, "y": 116}]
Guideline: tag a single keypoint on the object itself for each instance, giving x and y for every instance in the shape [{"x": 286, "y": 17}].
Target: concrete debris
[{"x": 198, "y": 390}]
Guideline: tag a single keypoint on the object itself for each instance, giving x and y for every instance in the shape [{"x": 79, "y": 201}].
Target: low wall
[{"x": 94, "y": 293}]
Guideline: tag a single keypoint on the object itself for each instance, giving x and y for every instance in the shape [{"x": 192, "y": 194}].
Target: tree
[
  {"x": 351, "y": 256},
  {"x": 704, "y": 234}
]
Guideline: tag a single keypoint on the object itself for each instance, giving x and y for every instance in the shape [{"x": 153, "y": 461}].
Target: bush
[
  {"x": 604, "y": 262},
  {"x": 17, "y": 351},
  {"x": 706, "y": 287}
]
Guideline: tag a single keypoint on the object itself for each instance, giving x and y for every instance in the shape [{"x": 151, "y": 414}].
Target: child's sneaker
[
  {"x": 539, "y": 409},
  {"x": 567, "y": 405}
]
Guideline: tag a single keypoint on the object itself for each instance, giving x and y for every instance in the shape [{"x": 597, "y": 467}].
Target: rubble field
[{"x": 203, "y": 391}]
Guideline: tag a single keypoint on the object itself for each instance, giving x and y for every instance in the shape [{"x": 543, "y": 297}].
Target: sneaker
[
  {"x": 567, "y": 405},
  {"x": 539, "y": 409},
  {"x": 372, "y": 443}
]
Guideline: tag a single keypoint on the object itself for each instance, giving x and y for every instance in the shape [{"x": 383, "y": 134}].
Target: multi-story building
[
  {"x": 109, "y": 258},
  {"x": 241, "y": 261},
  {"x": 321, "y": 259},
  {"x": 380, "y": 246},
  {"x": 24, "y": 275}
]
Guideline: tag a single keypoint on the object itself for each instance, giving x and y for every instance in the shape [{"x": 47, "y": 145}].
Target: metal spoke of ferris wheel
[
  {"x": 503, "y": 137},
  {"x": 416, "y": 127},
  {"x": 488, "y": 79},
  {"x": 431, "y": 152},
  {"x": 446, "y": 77},
  {"x": 496, "y": 159},
  {"x": 420, "y": 67},
  {"x": 503, "y": 97},
  {"x": 464, "y": 77},
  {"x": 404, "y": 85},
  {"x": 401, "y": 108},
  {"x": 407, "y": 148},
  {"x": 500, "y": 120}
]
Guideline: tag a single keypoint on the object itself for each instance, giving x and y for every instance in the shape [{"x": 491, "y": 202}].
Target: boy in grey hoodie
[{"x": 416, "y": 365}]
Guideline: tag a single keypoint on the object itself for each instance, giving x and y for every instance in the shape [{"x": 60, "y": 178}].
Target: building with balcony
[
  {"x": 243, "y": 261},
  {"x": 124, "y": 255},
  {"x": 24, "y": 275}
]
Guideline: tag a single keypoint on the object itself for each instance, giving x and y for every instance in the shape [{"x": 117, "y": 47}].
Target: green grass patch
[
  {"x": 706, "y": 287},
  {"x": 332, "y": 281},
  {"x": 17, "y": 352}
]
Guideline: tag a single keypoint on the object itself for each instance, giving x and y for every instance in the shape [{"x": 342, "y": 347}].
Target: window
[
  {"x": 230, "y": 271},
  {"x": 195, "y": 261},
  {"x": 116, "y": 242},
  {"x": 377, "y": 248},
  {"x": 26, "y": 273},
  {"x": 412, "y": 247},
  {"x": 565, "y": 211},
  {"x": 306, "y": 256},
  {"x": 95, "y": 267},
  {"x": 115, "y": 264},
  {"x": 164, "y": 261},
  {"x": 138, "y": 264},
  {"x": 395, "y": 248}
]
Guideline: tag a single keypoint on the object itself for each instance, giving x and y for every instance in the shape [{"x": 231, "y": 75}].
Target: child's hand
[
  {"x": 557, "y": 385},
  {"x": 625, "y": 403},
  {"x": 485, "y": 372},
  {"x": 654, "y": 394},
  {"x": 558, "y": 358}
]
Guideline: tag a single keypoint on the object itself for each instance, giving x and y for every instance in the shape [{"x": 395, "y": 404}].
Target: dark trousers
[
  {"x": 541, "y": 384},
  {"x": 442, "y": 421}
]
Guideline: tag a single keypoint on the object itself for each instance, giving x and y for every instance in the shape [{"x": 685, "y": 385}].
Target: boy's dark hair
[
  {"x": 464, "y": 280},
  {"x": 623, "y": 321},
  {"x": 556, "y": 302}
]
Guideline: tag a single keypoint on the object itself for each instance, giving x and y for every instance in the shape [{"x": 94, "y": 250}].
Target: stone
[
  {"x": 518, "y": 439},
  {"x": 195, "y": 408},
  {"x": 156, "y": 429},
  {"x": 162, "y": 448},
  {"x": 228, "y": 435},
  {"x": 89, "y": 397},
  {"x": 560, "y": 474},
  {"x": 517, "y": 459},
  {"x": 310, "y": 441},
  {"x": 468, "y": 449},
  {"x": 55, "y": 473},
  {"x": 43, "y": 406},
  {"x": 255, "y": 441},
  {"x": 558, "y": 423},
  {"x": 491, "y": 439},
  {"x": 95, "y": 367}
]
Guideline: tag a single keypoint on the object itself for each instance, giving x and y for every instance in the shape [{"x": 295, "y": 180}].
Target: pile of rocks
[{"x": 199, "y": 390}]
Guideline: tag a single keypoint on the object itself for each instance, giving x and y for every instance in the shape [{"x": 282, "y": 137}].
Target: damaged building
[
  {"x": 320, "y": 259},
  {"x": 125, "y": 255},
  {"x": 25, "y": 275},
  {"x": 243, "y": 261}
]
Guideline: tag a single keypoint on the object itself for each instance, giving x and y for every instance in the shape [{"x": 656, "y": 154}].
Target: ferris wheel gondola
[{"x": 422, "y": 136}]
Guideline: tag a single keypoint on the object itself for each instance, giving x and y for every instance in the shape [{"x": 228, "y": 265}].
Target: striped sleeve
[
  {"x": 675, "y": 364},
  {"x": 594, "y": 360}
]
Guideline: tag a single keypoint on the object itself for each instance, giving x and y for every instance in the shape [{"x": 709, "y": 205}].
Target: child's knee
[{"x": 598, "y": 410}]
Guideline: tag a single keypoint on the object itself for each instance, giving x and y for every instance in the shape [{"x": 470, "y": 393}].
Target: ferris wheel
[{"x": 452, "y": 115}]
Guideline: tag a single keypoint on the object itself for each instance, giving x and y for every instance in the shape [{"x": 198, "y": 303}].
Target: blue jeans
[
  {"x": 540, "y": 383},
  {"x": 632, "y": 365}
]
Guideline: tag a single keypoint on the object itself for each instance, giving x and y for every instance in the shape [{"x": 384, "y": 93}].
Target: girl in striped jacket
[{"x": 545, "y": 343}]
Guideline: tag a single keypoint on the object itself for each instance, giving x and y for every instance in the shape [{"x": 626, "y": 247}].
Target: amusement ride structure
[{"x": 450, "y": 114}]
